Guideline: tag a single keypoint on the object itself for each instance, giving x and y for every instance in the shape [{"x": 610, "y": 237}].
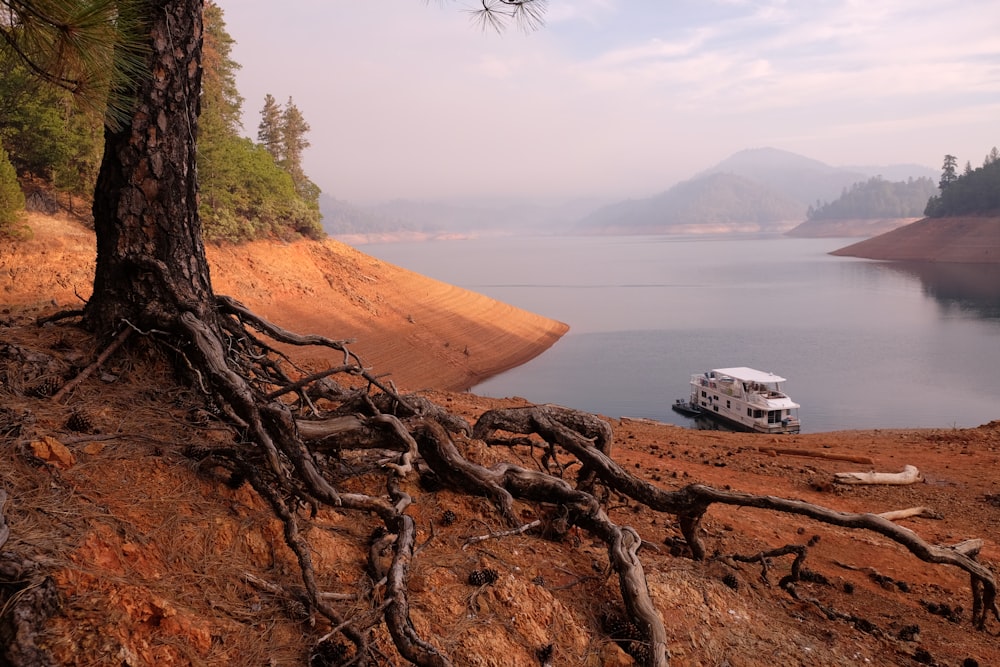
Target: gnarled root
[
  {"x": 506, "y": 481},
  {"x": 691, "y": 502},
  {"x": 294, "y": 438}
]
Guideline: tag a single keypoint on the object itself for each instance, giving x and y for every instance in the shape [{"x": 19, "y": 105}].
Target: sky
[{"x": 615, "y": 98}]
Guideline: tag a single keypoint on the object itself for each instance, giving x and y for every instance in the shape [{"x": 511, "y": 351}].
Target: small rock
[{"x": 53, "y": 452}]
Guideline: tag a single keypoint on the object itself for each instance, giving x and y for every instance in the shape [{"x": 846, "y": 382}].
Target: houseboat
[{"x": 745, "y": 399}]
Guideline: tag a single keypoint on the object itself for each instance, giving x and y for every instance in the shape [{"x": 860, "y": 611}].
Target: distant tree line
[
  {"x": 248, "y": 190},
  {"x": 973, "y": 192},
  {"x": 877, "y": 198}
]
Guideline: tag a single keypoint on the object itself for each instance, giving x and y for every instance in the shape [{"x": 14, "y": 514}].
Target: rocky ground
[{"x": 143, "y": 557}]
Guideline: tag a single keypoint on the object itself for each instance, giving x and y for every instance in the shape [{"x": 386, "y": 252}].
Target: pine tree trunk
[{"x": 151, "y": 262}]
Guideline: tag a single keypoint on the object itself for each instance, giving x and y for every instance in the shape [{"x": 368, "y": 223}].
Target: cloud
[{"x": 407, "y": 98}]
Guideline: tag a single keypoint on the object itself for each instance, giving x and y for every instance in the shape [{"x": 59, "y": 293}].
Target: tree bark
[{"x": 151, "y": 263}]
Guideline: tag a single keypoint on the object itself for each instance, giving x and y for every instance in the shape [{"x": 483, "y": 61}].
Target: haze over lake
[{"x": 863, "y": 344}]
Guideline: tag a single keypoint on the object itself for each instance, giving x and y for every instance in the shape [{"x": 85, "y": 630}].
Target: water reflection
[{"x": 970, "y": 287}]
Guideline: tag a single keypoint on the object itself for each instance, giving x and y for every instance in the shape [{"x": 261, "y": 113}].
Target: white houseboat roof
[{"x": 748, "y": 374}]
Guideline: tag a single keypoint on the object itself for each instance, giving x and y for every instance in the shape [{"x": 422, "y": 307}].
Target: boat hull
[{"x": 732, "y": 424}]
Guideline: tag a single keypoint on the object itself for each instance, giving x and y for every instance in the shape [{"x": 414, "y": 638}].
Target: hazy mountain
[
  {"x": 799, "y": 178},
  {"x": 712, "y": 203},
  {"x": 482, "y": 215},
  {"x": 457, "y": 217},
  {"x": 341, "y": 218},
  {"x": 761, "y": 189}
]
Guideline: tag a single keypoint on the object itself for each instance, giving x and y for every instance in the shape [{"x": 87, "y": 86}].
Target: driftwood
[
  {"x": 909, "y": 475},
  {"x": 816, "y": 454},
  {"x": 909, "y": 512}
]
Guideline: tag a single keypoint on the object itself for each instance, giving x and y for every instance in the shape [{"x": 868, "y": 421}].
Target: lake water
[{"x": 863, "y": 344}]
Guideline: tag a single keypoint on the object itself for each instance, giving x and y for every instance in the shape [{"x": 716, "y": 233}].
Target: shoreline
[
  {"x": 970, "y": 239},
  {"x": 422, "y": 333}
]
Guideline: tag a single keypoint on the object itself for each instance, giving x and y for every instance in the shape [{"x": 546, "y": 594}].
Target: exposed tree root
[
  {"x": 690, "y": 503},
  {"x": 300, "y": 423},
  {"x": 504, "y": 482}
]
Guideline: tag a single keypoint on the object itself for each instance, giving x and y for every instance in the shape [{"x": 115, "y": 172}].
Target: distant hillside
[
  {"x": 878, "y": 198},
  {"x": 437, "y": 219},
  {"x": 969, "y": 239},
  {"x": 341, "y": 218},
  {"x": 868, "y": 208},
  {"x": 760, "y": 189},
  {"x": 896, "y": 172},
  {"x": 489, "y": 215},
  {"x": 712, "y": 203},
  {"x": 799, "y": 178}
]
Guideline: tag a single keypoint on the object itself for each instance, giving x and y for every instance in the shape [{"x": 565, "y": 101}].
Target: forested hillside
[
  {"x": 974, "y": 192},
  {"x": 712, "y": 203},
  {"x": 52, "y": 143},
  {"x": 877, "y": 198}
]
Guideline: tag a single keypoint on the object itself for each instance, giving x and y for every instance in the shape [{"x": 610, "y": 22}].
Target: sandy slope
[
  {"x": 863, "y": 228},
  {"x": 973, "y": 240},
  {"x": 426, "y": 333}
]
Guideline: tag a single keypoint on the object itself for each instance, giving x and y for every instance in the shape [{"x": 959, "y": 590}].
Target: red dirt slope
[
  {"x": 426, "y": 333},
  {"x": 934, "y": 240}
]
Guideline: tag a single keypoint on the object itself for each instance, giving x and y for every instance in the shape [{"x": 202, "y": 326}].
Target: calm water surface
[{"x": 863, "y": 344}]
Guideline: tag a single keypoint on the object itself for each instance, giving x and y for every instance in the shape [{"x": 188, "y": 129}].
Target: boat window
[
  {"x": 749, "y": 412},
  {"x": 704, "y": 394},
  {"x": 728, "y": 406}
]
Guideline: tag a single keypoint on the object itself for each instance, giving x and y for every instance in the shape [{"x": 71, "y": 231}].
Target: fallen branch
[
  {"x": 909, "y": 475},
  {"x": 85, "y": 373},
  {"x": 504, "y": 533},
  {"x": 812, "y": 453},
  {"x": 909, "y": 512}
]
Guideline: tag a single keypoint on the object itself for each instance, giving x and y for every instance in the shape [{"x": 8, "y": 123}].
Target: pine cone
[
  {"x": 43, "y": 388},
  {"x": 483, "y": 577},
  {"x": 80, "y": 422}
]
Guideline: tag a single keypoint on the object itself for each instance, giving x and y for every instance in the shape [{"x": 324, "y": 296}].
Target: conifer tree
[
  {"x": 293, "y": 141},
  {"x": 11, "y": 197},
  {"x": 949, "y": 171},
  {"x": 269, "y": 132},
  {"x": 221, "y": 103}
]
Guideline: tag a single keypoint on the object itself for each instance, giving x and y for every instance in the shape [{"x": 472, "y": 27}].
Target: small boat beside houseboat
[{"x": 742, "y": 398}]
